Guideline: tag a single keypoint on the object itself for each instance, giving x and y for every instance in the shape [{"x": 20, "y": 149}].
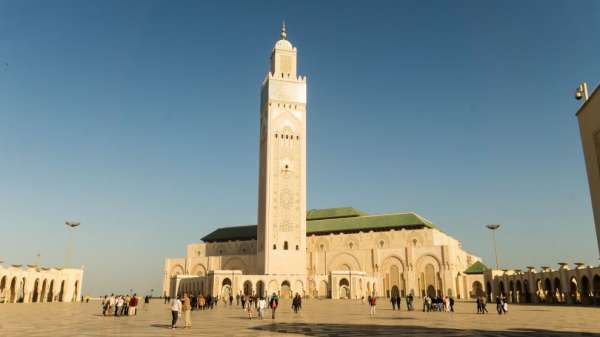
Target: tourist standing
[
  {"x": 175, "y": 311},
  {"x": 273, "y": 303},
  {"x": 186, "y": 308},
  {"x": 119, "y": 305},
  {"x": 372, "y": 304}
]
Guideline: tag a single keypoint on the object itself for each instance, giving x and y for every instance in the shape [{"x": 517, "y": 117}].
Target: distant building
[
  {"x": 588, "y": 116},
  {"x": 335, "y": 253},
  {"x": 34, "y": 284}
]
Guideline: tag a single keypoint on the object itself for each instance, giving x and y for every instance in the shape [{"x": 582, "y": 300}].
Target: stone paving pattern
[{"x": 318, "y": 318}]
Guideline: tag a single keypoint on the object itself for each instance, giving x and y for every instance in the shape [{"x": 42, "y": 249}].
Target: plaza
[{"x": 317, "y": 318}]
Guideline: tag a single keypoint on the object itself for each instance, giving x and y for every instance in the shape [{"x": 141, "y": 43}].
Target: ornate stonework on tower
[{"x": 281, "y": 231}]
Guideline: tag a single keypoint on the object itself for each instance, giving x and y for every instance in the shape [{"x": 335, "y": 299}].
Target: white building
[
  {"x": 34, "y": 285},
  {"x": 338, "y": 252}
]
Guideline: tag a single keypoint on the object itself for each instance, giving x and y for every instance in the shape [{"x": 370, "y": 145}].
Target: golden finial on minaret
[{"x": 283, "y": 33}]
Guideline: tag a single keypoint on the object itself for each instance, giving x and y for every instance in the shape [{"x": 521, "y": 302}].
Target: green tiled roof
[
  {"x": 329, "y": 213},
  {"x": 476, "y": 268},
  {"x": 232, "y": 233},
  {"x": 333, "y": 220}
]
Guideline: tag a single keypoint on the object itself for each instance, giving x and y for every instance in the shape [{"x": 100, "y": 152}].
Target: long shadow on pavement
[{"x": 344, "y": 330}]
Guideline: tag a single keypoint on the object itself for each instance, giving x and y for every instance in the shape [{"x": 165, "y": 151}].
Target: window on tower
[
  {"x": 285, "y": 245},
  {"x": 274, "y": 246}
]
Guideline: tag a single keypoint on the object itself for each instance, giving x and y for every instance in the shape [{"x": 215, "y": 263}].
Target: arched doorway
[
  {"x": 248, "y": 288},
  {"x": 51, "y": 292},
  {"x": 431, "y": 291},
  {"x": 585, "y": 290},
  {"x": 511, "y": 292},
  {"x": 526, "y": 291},
  {"x": 596, "y": 288},
  {"x": 476, "y": 290},
  {"x": 61, "y": 294},
  {"x": 2, "y": 289},
  {"x": 43, "y": 293},
  {"x": 344, "y": 292},
  {"x": 548, "y": 294},
  {"x": 502, "y": 290},
  {"x": 488, "y": 291},
  {"x": 286, "y": 290},
  {"x": 323, "y": 289},
  {"x": 75, "y": 291},
  {"x": 22, "y": 291},
  {"x": 260, "y": 289},
  {"x": 226, "y": 289},
  {"x": 12, "y": 298},
  {"x": 36, "y": 296},
  {"x": 558, "y": 294},
  {"x": 518, "y": 292},
  {"x": 574, "y": 291}
]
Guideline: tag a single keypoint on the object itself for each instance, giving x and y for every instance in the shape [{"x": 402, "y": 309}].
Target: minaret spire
[{"x": 283, "y": 33}]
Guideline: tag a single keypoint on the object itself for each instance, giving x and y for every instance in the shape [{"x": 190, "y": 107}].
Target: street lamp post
[
  {"x": 493, "y": 228},
  {"x": 70, "y": 227}
]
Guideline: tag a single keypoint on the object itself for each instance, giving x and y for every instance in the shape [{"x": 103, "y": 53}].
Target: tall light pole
[
  {"x": 493, "y": 228},
  {"x": 582, "y": 92},
  {"x": 70, "y": 227}
]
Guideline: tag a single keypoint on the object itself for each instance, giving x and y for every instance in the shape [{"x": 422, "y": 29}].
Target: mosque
[{"x": 338, "y": 253}]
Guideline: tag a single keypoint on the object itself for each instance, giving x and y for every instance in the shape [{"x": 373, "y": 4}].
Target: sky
[{"x": 140, "y": 119}]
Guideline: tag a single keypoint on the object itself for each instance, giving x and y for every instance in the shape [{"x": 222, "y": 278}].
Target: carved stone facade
[{"x": 336, "y": 253}]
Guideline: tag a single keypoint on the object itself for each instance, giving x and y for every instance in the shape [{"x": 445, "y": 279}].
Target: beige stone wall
[
  {"x": 578, "y": 285},
  {"x": 355, "y": 264},
  {"x": 36, "y": 285},
  {"x": 589, "y": 127}
]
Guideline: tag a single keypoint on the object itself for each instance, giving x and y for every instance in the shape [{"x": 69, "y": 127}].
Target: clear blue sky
[{"x": 140, "y": 119}]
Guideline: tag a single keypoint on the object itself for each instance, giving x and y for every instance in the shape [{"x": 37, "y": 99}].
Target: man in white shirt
[
  {"x": 175, "y": 311},
  {"x": 262, "y": 305}
]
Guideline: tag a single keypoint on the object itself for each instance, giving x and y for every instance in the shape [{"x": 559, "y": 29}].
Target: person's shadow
[{"x": 164, "y": 326}]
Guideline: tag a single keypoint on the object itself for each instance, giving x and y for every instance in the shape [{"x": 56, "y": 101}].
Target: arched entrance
[
  {"x": 548, "y": 294},
  {"x": 43, "y": 293},
  {"x": 260, "y": 289},
  {"x": 36, "y": 296},
  {"x": 476, "y": 290},
  {"x": 558, "y": 294},
  {"x": 75, "y": 291},
  {"x": 344, "y": 292},
  {"x": 286, "y": 290},
  {"x": 431, "y": 291},
  {"x": 526, "y": 291},
  {"x": 518, "y": 292},
  {"x": 248, "y": 288},
  {"x": 323, "y": 289},
  {"x": 226, "y": 290},
  {"x": 574, "y": 291},
  {"x": 585, "y": 290},
  {"x": 2, "y": 289},
  {"x": 61, "y": 294},
  {"x": 488, "y": 291},
  {"x": 22, "y": 291},
  {"x": 51, "y": 292},
  {"x": 511, "y": 292},
  {"x": 12, "y": 298}
]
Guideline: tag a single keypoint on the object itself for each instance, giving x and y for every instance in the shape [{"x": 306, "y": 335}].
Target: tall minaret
[{"x": 281, "y": 231}]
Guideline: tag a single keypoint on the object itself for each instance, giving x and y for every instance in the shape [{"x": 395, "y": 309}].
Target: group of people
[
  {"x": 481, "y": 305},
  {"x": 438, "y": 304},
  {"x": 119, "y": 305},
  {"x": 396, "y": 301}
]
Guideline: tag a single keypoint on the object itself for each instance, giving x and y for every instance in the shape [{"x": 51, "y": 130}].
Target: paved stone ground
[{"x": 318, "y": 318}]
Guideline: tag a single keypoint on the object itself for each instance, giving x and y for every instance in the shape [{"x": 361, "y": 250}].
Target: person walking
[
  {"x": 133, "y": 302},
  {"x": 393, "y": 300},
  {"x": 372, "y": 304},
  {"x": 398, "y": 302},
  {"x": 273, "y": 303},
  {"x": 119, "y": 305},
  {"x": 262, "y": 305},
  {"x": 186, "y": 308},
  {"x": 175, "y": 311}
]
